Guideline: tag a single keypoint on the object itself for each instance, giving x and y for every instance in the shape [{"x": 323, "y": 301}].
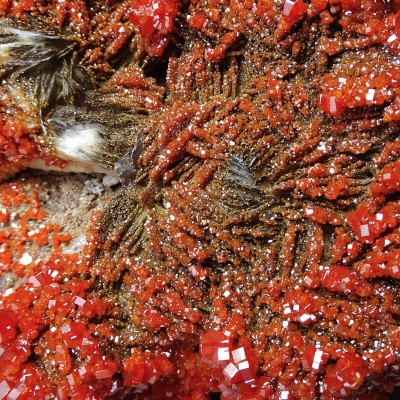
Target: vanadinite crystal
[{"x": 252, "y": 250}]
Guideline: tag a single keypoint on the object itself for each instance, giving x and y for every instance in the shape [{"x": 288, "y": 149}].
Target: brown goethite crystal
[{"x": 253, "y": 249}]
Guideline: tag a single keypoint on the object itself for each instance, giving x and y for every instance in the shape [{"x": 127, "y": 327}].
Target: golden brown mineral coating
[{"x": 254, "y": 247}]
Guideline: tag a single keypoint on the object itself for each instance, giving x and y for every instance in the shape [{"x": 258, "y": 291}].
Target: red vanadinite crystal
[
  {"x": 154, "y": 20},
  {"x": 314, "y": 359},
  {"x": 16, "y": 145},
  {"x": 369, "y": 221},
  {"x": 338, "y": 278},
  {"x": 293, "y": 11},
  {"x": 8, "y": 325},
  {"x": 237, "y": 364},
  {"x": 346, "y": 375},
  {"x": 149, "y": 16},
  {"x": 350, "y": 5},
  {"x": 215, "y": 346},
  {"x": 331, "y": 103}
]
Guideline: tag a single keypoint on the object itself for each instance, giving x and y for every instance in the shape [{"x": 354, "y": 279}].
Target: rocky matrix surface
[{"x": 253, "y": 247}]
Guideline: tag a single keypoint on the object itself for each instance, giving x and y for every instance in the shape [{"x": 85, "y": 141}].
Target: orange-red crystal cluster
[
  {"x": 16, "y": 144},
  {"x": 153, "y": 20},
  {"x": 341, "y": 93}
]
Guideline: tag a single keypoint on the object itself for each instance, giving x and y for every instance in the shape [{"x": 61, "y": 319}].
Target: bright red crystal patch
[
  {"x": 369, "y": 221},
  {"x": 294, "y": 11},
  {"x": 338, "y": 278},
  {"x": 331, "y": 104},
  {"x": 153, "y": 19},
  {"x": 215, "y": 346},
  {"x": 8, "y": 325},
  {"x": 347, "y": 375},
  {"x": 237, "y": 364},
  {"x": 149, "y": 16},
  {"x": 314, "y": 359}
]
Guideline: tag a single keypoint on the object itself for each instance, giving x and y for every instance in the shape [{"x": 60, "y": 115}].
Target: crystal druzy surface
[{"x": 253, "y": 248}]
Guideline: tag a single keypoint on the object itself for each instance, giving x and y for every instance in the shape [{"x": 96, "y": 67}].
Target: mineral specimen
[{"x": 253, "y": 249}]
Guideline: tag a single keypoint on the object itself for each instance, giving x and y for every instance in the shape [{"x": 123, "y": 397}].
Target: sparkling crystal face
[{"x": 252, "y": 249}]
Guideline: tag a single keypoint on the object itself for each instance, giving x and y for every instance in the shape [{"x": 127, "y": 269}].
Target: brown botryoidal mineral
[{"x": 253, "y": 249}]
